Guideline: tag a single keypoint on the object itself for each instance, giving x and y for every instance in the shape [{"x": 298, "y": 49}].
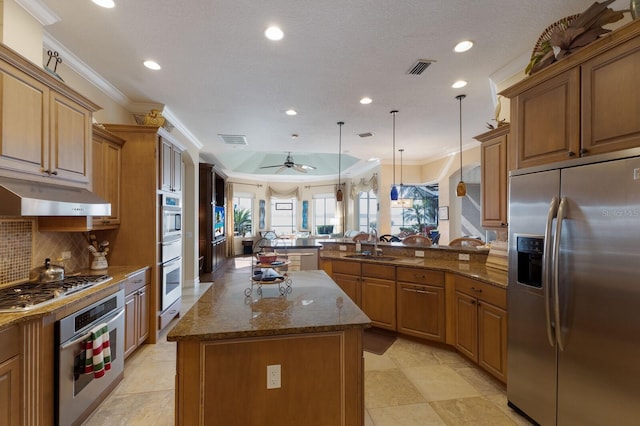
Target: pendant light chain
[
  {"x": 461, "y": 189},
  {"x": 394, "y": 190},
  {"x": 339, "y": 191}
]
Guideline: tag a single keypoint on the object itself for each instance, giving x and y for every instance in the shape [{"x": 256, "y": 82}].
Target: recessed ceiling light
[
  {"x": 291, "y": 112},
  {"x": 458, "y": 84},
  {"x": 274, "y": 33},
  {"x": 372, "y": 159},
  {"x": 463, "y": 46},
  {"x": 366, "y": 101},
  {"x": 104, "y": 3},
  {"x": 294, "y": 136},
  {"x": 152, "y": 65}
]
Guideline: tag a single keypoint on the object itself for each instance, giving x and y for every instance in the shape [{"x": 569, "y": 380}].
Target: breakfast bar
[{"x": 293, "y": 358}]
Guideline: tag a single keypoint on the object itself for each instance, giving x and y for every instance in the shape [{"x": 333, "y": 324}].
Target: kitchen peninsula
[{"x": 312, "y": 336}]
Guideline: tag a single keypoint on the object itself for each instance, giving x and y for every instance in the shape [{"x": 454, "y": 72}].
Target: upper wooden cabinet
[
  {"x": 45, "y": 127},
  {"x": 107, "y": 163},
  {"x": 582, "y": 105},
  {"x": 494, "y": 167},
  {"x": 170, "y": 167}
]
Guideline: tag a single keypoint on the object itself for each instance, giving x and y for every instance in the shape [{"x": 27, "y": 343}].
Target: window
[
  {"x": 324, "y": 213},
  {"x": 242, "y": 215},
  {"x": 367, "y": 211},
  {"x": 422, "y": 216},
  {"x": 283, "y": 215}
]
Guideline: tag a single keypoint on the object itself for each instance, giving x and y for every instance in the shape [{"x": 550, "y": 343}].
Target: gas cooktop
[{"x": 27, "y": 296}]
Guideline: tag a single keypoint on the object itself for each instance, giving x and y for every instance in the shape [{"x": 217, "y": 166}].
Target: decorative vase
[{"x": 634, "y": 6}]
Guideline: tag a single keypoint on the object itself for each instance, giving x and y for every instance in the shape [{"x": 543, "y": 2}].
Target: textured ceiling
[{"x": 220, "y": 74}]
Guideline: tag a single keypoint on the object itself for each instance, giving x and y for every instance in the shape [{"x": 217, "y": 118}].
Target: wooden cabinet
[
  {"x": 347, "y": 276},
  {"x": 10, "y": 370},
  {"x": 45, "y": 127},
  {"x": 136, "y": 311},
  {"x": 610, "y": 101},
  {"x": 481, "y": 324},
  {"x": 421, "y": 303},
  {"x": 170, "y": 167},
  {"x": 379, "y": 294},
  {"x": 582, "y": 105},
  {"x": 107, "y": 160},
  {"x": 494, "y": 176}
]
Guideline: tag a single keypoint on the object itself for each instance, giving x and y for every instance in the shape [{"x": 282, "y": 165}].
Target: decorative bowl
[{"x": 267, "y": 258}]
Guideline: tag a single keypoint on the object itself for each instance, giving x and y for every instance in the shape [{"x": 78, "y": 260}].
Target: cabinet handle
[
  {"x": 477, "y": 290},
  {"x": 503, "y": 224},
  {"x": 571, "y": 154},
  {"x": 55, "y": 173},
  {"x": 413, "y": 290},
  {"x": 584, "y": 151},
  {"x": 138, "y": 281},
  {"x": 473, "y": 302}
]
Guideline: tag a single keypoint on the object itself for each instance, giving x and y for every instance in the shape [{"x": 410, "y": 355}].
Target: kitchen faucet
[{"x": 374, "y": 234}]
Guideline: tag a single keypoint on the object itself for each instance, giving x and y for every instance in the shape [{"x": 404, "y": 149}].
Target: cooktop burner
[{"x": 26, "y": 296}]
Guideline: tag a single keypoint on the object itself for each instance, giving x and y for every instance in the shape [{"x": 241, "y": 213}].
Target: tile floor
[{"x": 413, "y": 383}]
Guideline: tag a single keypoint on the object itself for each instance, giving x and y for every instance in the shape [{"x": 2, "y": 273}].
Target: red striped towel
[{"x": 97, "y": 351}]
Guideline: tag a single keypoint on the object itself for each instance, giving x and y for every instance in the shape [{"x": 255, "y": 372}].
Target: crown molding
[{"x": 40, "y": 11}]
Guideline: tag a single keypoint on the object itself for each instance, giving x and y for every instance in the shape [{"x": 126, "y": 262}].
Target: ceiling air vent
[
  {"x": 419, "y": 67},
  {"x": 234, "y": 139},
  {"x": 365, "y": 135}
]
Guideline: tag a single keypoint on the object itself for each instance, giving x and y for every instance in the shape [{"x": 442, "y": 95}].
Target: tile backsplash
[{"x": 23, "y": 248}]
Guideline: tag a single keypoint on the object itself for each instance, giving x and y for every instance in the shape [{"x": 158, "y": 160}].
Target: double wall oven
[{"x": 171, "y": 250}]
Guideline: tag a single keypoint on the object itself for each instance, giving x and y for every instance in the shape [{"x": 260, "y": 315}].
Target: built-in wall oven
[
  {"x": 171, "y": 266},
  {"x": 78, "y": 393}
]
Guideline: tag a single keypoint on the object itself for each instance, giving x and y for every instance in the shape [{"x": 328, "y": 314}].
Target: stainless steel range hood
[{"x": 25, "y": 198}]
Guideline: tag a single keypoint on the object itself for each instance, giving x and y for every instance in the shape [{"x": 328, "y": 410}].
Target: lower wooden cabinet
[
  {"x": 421, "y": 303},
  {"x": 481, "y": 324},
  {"x": 10, "y": 389},
  {"x": 379, "y": 294},
  {"x": 136, "y": 311}
]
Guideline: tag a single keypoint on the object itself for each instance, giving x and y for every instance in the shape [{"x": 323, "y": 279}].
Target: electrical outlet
[
  {"x": 343, "y": 248},
  {"x": 273, "y": 376},
  {"x": 419, "y": 253},
  {"x": 65, "y": 255},
  {"x": 463, "y": 256}
]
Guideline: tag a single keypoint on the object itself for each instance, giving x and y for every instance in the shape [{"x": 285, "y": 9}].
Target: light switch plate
[
  {"x": 343, "y": 248},
  {"x": 419, "y": 253}
]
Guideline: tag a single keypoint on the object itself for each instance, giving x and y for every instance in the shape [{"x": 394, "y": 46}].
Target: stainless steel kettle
[{"x": 48, "y": 273}]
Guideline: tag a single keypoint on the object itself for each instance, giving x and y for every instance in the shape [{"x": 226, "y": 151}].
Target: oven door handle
[{"x": 87, "y": 335}]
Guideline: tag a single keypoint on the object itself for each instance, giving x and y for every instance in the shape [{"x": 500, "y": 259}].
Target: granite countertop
[
  {"x": 292, "y": 243},
  {"x": 118, "y": 273},
  {"x": 474, "y": 270},
  {"x": 315, "y": 304}
]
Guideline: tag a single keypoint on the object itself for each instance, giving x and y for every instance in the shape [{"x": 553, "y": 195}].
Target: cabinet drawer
[
  {"x": 385, "y": 272},
  {"x": 346, "y": 267},
  {"x": 420, "y": 276},
  {"x": 137, "y": 280},
  {"x": 10, "y": 343},
  {"x": 486, "y": 292}
]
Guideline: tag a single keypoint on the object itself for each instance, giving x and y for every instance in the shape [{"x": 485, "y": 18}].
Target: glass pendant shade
[
  {"x": 394, "y": 193},
  {"x": 461, "y": 189},
  {"x": 339, "y": 195}
]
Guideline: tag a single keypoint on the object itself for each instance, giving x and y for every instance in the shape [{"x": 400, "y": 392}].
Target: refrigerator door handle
[
  {"x": 546, "y": 268},
  {"x": 556, "y": 272}
]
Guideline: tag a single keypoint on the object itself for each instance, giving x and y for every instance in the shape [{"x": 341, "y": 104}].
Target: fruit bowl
[{"x": 267, "y": 258}]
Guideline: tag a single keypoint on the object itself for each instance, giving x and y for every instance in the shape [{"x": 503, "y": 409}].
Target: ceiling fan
[{"x": 289, "y": 164}]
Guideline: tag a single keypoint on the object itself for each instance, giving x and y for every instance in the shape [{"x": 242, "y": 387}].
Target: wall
[{"x": 20, "y": 31}]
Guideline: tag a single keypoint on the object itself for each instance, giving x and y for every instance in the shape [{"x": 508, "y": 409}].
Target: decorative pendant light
[
  {"x": 461, "y": 189},
  {"x": 405, "y": 203},
  {"x": 339, "y": 191},
  {"x": 394, "y": 190}
]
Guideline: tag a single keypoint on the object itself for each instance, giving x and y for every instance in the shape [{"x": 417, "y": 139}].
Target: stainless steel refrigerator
[{"x": 574, "y": 291}]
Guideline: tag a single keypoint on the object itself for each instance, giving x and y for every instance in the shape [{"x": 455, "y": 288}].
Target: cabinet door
[
  {"x": 177, "y": 170},
  {"x": 379, "y": 302},
  {"x": 166, "y": 164},
  {"x": 24, "y": 123},
  {"x": 350, "y": 284},
  {"x": 70, "y": 139},
  {"x": 492, "y": 339},
  {"x": 421, "y": 311},
  {"x": 10, "y": 392},
  {"x": 143, "y": 314},
  {"x": 466, "y": 325},
  {"x": 130, "y": 322},
  {"x": 547, "y": 127},
  {"x": 611, "y": 101},
  {"x": 494, "y": 182}
]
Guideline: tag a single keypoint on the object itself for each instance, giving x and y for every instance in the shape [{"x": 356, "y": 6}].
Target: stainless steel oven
[
  {"x": 171, "y": 217},
  {"x": 171, "y": 282},
  {"x": 80, "y": 393}
]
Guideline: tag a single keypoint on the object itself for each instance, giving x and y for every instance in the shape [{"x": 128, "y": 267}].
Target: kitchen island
[{"x": 227, "y": 342}]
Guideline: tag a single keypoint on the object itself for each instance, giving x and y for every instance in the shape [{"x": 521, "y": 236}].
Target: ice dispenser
[{"x": 530, "y": 250}]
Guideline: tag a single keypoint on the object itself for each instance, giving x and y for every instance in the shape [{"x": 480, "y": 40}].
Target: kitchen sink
[{"x": 370, "y": 257}]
